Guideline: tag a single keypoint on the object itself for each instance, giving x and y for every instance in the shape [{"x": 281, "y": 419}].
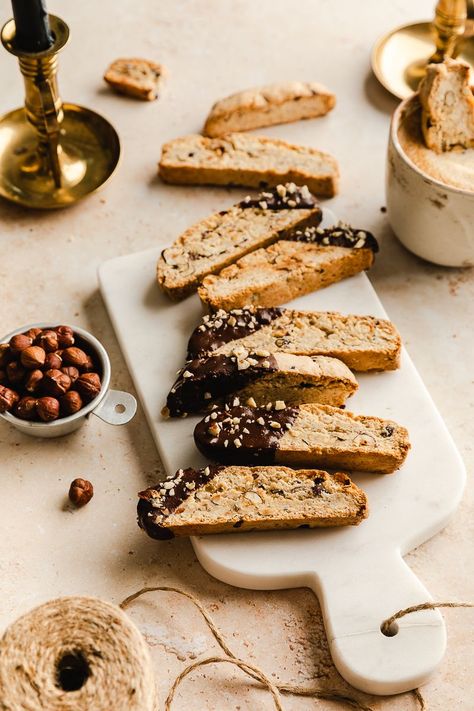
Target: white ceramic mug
[{"x": 432, "y": 219}]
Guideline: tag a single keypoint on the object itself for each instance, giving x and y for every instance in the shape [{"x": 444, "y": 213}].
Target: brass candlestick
[
  {"x": 399, "y": 59},
  {"x": 51, "y": 154}
]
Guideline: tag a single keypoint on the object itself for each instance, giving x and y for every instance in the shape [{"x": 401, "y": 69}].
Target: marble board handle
[{"x": 356, "y": 597}]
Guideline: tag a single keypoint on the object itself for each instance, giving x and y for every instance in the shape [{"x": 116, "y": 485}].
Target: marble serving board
[{"x": 358, "y": 573}]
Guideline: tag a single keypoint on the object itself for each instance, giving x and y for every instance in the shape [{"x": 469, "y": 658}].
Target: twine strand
[{"x": 258, "y": 674}]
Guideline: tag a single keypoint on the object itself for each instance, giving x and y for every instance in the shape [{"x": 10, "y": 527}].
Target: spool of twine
[{"x": 75, "y": 654}]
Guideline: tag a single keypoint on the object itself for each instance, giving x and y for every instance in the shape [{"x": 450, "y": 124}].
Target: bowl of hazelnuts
[{"x": 53, "y": 377}]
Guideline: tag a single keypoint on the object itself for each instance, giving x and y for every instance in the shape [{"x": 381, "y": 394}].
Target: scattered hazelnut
[
  {"x": 72, "y": 372},
  {"x": 25, "y": 409},
  {"x": 33, "y": 333},
  {"x": 33, "y": 380},
  {"x": 8, "y": 398},
  {"x": 81, "y": 492},
  {"x": 74, "y": 356},
  {"x": 15, "y": 373},
  {"x": 88, "y": 385},
  {"x": 65, "y": 336},
  {"x": 33, "y": 357},
  {"x": 53, "y": 360},
  {"x": 48, "y": 340},
  {"x": 70, "y": 403},
  {"x": 19, "y": 343},
  {"x": 47, "y": 408}
]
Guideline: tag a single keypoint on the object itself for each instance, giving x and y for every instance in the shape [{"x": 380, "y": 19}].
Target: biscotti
[
  {"x": 235, "y": 499},
  {"x": 361, "y": 342},
  {"x": 447, "y": 104},
  {"x": 268, "y": 105},
  {"x": 259, "y": 377},
  {"x": 220, "y": 239},
  {"x": 247, "y": 160},
  {"x": 306, "y": 435},
  {"x": 139, "y": 78},
  {"x": 303, "y": 262}
]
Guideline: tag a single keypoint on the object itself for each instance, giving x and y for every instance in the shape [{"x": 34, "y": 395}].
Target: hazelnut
[
  {"x": 5, "y": 354},
  {"x": 8, "y": 398},
  {"x": 25, "y": 409},
  {"x": 15, "y": 373},
  {"x": 88, "y": 365},
  {"x": 33, "y": 333},
  {"x": 81, "y": 492},
  {"x": 72, "y": 372},
  {"x": 65, "y": 336},
  {"x": 74, "y": 356},
  {"x": 47, "y": 408},
  {"x": 19, "y": 343},
  {"x": 33, "y": 380},
  {"x": 33, "y": 357},
  {"x": 48, "y": 340},
  {"x": 89, "y": 386},
  {"x": 55, "y": 383},
  {"x": 70, "y": 403},
  {"x": 53, "y": 360}
]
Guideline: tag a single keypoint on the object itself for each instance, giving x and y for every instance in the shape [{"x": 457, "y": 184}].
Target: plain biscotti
[
  {"x": 139, "y": 78},
  {"x": 267, "y": 105},
  {"x": 361, "y": 342},
  {"x": 304, "y": 435},
  {"x": 306, "y": 261},
  {"x": 247, "y": 160},
  {"x": 447, "y": 106},
  {"x": 220, "y": 239},
  {"x": 234, "y": 499},
  {"x": 259, "y": 377}
]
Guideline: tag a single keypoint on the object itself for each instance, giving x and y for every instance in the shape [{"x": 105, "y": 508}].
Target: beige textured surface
[{"x": 48, "y": 270}]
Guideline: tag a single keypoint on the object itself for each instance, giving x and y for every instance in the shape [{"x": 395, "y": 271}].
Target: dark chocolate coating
[
  {"x": 217, "y": 376},
  {"x": 147, "y": 513},
  {"x": 246, "y": 321},
  {"x": 336, "y": 236},
  {"x": 258, "y": 445},
  {"x": 270, "y": 199}
]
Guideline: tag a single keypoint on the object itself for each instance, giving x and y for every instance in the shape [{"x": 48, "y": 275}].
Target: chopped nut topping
[
  {"x": 251, "y": 402},
  {"x": 280, "y": 405},
  {"x": 207, "y": 396},
  {"x": 214, "y": 429},
  {"x": 261, "y": 421},
  {"x": 232, "y": 321},
  {"x": 266, "y": 364},
  {"x": 236, "y": 402},
  {"x": 187, "y": 374},
  {"x": 207, "y": 471},
  {"x": 237, "y": 442},
  {"x": 275, "y": 425}
]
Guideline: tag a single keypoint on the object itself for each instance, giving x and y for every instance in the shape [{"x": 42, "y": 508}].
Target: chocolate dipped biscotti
[
  {"x": 304, "y": 435},
  {"x": 234, "y": 499},
  {"x": 259, "y": 377},
  {"x": 213, "y": 243},
  {"x": 304, "y": 261},
  {"x": 361, "y": 342}
]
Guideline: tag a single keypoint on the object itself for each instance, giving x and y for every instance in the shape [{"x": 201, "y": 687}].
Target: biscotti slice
[
  {"x": 139, "y": 78},
  {"x": 361, "y": 342},
  {"x": 250, "y": 161},
  {"x": 235, "y": 499},
  {"x": 303, "y": 262},
  {"x": 304, "y": 435},
  {"x": 260, "y": 377},
  {"x": 220, "y": 239},
  {"x": 447, "y": 106},
  {"x": 268, "y": 105}
]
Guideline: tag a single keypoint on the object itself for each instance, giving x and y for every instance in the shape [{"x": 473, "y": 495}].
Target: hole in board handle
[
  {"x": 120, "y": 409},
  {"x": 390, "y": 631},
  {"x": 72, "y": 671}
]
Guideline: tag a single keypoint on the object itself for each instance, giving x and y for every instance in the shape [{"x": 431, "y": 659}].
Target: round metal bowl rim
[{"x": 87, "y": 409}]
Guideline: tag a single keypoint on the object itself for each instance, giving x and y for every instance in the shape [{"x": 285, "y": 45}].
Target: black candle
[{"x": 32, "y": 25}]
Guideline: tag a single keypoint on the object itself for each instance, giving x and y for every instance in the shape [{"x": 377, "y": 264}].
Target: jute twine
[
  {"x": 75, "y": 654},
  {"x": 83, "y": 654}
]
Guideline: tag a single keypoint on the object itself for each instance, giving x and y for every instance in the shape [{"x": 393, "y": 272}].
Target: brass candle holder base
[
  {"x": 400, "y": 57},
  {"x": 51, "y": 154}
]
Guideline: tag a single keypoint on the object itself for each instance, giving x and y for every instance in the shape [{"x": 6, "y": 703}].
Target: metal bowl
[{"x": 112, "y": 406}]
